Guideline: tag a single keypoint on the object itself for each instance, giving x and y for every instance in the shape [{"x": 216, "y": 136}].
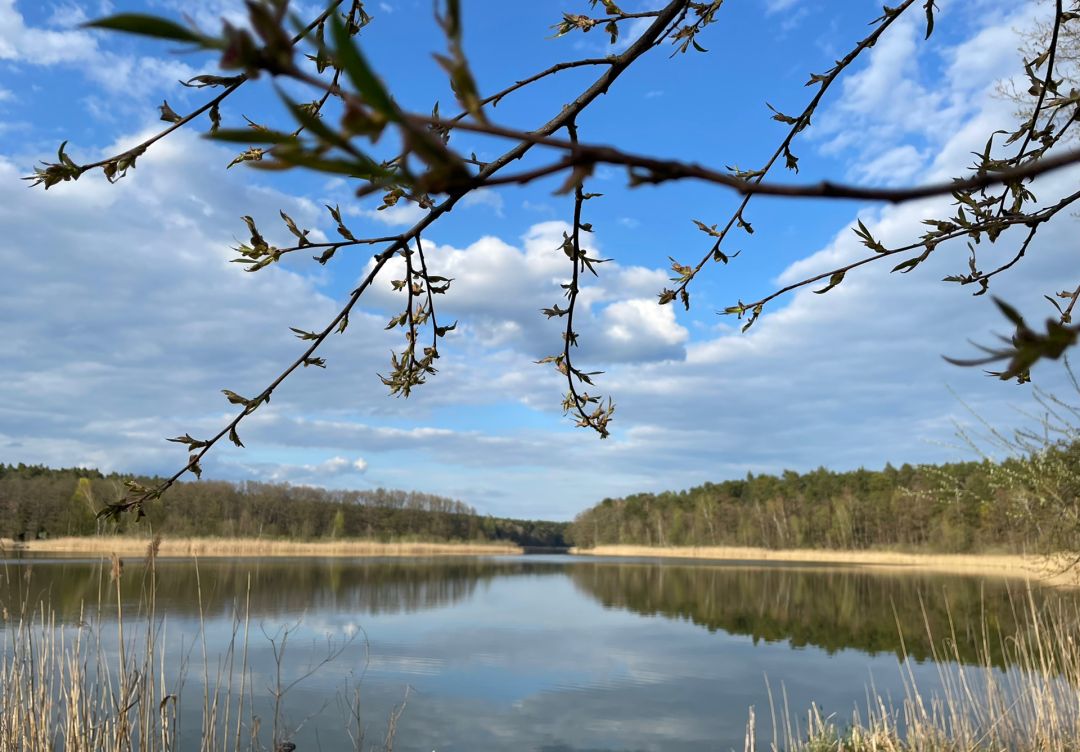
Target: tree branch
[{"x": 618, "y": 65}]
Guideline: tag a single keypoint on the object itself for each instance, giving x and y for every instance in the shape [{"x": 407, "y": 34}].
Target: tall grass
[
  {"x": 1034, "y": 706},
  {"x": 1041, "y": 568},
  {"x": 113, "y": 681},
  {"x": 209, "y": 547}
]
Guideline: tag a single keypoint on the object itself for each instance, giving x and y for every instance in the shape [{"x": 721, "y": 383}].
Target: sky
[{"x": 123, "y": 318}]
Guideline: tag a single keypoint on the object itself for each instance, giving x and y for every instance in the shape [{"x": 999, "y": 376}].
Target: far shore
[
  {"x": 1048, "y": 570},
  {"x": 210, "y": 547}
]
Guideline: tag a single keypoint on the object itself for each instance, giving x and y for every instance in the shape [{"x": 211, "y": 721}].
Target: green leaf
[
  {"x": 781, "y": 117},
  {"x": 235, "y": 398},
  {"x": 359, "y": 72},
  {"x": 167, "y": 113},
  {"x": 147, "y": 26},
  {"x": 201, "y": 82},
  {"x": 834, "y": 280},
  {"x": 312, "y": 123}
]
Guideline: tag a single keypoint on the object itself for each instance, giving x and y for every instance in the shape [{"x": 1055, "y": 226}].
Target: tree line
[
  {"x": 41, "y": 502},
  {"x": 1024, "y": 504}
]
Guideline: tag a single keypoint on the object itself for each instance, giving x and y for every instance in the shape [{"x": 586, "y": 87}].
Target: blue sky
[{"x": 123, "y": 317}]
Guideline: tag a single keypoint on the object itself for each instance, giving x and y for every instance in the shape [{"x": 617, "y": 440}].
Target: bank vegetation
[
  {"x": 40, "y": 503},
  {"x": 1024, "y": 505}
]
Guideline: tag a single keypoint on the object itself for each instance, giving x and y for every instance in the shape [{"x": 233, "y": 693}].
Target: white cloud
[
  {"x": 137, "y": 76},
  {"x": 895, "y": 166},
  {"x": 541, "y": 208},
  {"x": 66, "y": 15},
  {"x": 499, "y": 290},
  {"x": 208, "y": 14},
  {"x": 130, "y": 324},
  {"x": 775, "y": 6},
  {"x": 317, "y": 473},
  {"x": 21, "y": 43},
  {"x": 401, "y": 214},
  {"x": 130, "y": 75},
  {"x": 910, "y": 93},
  {"x": 128, "y": 318},
  {"x": 629, "y": 323},
  {"x": 485, "y": 197}
]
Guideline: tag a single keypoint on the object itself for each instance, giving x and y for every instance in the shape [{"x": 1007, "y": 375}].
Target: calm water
[{"x": 546, "y": 652}]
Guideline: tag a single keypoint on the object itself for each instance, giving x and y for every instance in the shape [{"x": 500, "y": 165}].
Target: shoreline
[
  {"x": 1042, "y": 569},
  {"x": 253, "y": 547},
  {"x": 1047, "y": 571}
]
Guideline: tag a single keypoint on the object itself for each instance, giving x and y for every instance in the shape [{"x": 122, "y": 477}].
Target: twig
[
  {"x": 243, "y": 78},
  {"x": 618, "y": 65}
]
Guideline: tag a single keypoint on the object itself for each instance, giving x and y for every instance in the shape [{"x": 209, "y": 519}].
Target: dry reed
[
  {"x": 1039, "y": 568},
  {"x": 211, "y": 547},
  {"x": 71, "y": 687},
  {"x": 1032, "y": 707}
]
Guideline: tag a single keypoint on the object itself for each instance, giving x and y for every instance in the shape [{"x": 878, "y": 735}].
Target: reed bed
[
  {"x": 1049, "y": 570},
  {"x": 85, "y": 687},
  {"x": 210, "y": 547},
  {"x": 1031, "y": 707}
]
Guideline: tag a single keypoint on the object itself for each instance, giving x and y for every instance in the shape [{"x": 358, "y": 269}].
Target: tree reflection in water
[{"x": 833, "y": 608}]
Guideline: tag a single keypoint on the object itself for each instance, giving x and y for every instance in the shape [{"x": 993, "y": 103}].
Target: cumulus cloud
[
  {"x": 59, "y": 43},
  {"x": 315, "y": 473},
  {"x": 895, "y": 166},
  {"x": 493, "y": 200},
  {"x": 911, "y": 93},
  {"x": 40, "y": 46},
  {"x": 402, "y": 214},
  {"x": 130, "y": 318},
  {"x": 499, "y": 290},
  {"x": 128, "y": 323}
]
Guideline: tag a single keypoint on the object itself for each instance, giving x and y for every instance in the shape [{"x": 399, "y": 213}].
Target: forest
[
  {"x": 39, "y": 502},
  {"x": 1026, "y": 504},
  {"x": 1021, "y": 505}
]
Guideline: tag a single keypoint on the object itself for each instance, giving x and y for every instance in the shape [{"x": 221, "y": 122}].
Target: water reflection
[
  {"x": 269, "y": 588},
  {"x": 831, "y": 608},
  {"x": 547, "y": 653}
]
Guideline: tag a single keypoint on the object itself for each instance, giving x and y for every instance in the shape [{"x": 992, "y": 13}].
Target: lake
[{"x": 537, "y": 652}]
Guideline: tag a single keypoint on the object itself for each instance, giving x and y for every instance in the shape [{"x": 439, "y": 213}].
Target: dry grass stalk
[
  {"x": 71, "y": 687},
  {"x": 1004, "y": 565},
  {"x": 1032, "y": 707},
  {"x": 211, "y": 547}
]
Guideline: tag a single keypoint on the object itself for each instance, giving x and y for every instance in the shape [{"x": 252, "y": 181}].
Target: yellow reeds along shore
[
  {"x": 209, "y": 547},
  {"x": 1053, "y": 570},
  {"x": 114, "y": 680},
  {"x": 1032, "y": 707}
]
